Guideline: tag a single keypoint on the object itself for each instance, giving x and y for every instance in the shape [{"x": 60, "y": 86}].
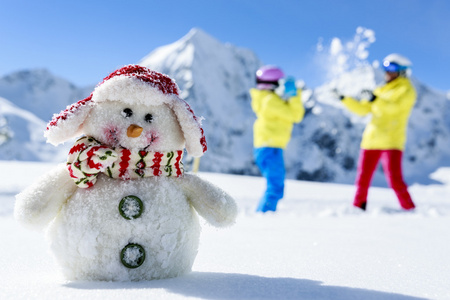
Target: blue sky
[{"x": 82, "y": 41}]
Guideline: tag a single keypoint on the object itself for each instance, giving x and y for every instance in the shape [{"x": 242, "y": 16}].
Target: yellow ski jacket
[
  {"x": 390, "y": 113},
  {"x": 275, "y": 118}
]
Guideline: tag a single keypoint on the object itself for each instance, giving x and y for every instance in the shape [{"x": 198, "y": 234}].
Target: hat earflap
[
  {"x": 191, "y": 127},
  {"x": 68, "y": 123}
]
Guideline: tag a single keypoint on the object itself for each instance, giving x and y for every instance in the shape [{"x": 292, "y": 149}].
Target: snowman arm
[
  {"x": 211, "y": 202},
  {"x": 38, "y": 204}
]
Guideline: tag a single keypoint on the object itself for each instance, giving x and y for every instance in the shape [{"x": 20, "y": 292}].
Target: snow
[
  {"x": 214, "y": 78},
  {"x": 315, "y": 247},
  {"x": 24, "y": 138},
  {"x": 41, "y": 92},
  {"x": 341, "y": 56}
]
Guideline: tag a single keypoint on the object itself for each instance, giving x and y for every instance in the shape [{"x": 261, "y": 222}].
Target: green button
[
  {"x": 131, "y": 207},
  {"x": 132, "y": 256}
]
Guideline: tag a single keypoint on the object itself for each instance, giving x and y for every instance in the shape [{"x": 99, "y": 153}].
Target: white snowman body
[
  {"x": 89, "y": 233},
  {"x": 134, "y": 227}
]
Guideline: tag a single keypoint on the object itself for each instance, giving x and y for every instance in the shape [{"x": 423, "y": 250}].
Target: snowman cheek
[
  {"x": 152, "y": 138},
  {"x": 111, "y": 134}
]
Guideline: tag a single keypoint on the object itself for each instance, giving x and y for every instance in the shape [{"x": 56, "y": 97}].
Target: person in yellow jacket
[
  {"x": 385, "y": 135},
  {"x": 272, "y": 129}
]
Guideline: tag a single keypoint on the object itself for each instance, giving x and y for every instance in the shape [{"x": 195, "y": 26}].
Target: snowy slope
[
  {"x": 215, "y": 78},
  {"x": 314, "y": 247},
  {"x": 33, "y": 96},
  {"x": 330, "y": 135},
  {"x": 40, "y": 92},
  {"x": 25, "y": 136}
]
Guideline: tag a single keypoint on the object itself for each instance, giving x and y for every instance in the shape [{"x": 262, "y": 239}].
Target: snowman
[{"x": 122, "y": 208}]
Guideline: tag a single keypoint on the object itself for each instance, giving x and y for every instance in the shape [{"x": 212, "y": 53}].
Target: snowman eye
[
  {"x": 148, "y": 118},
  {"x": 126, "y": 113}
]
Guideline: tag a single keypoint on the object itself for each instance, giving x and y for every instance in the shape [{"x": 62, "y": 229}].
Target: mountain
[
  {"x": 215, "y": 78},
  {"x": 328, "y": 138},
  {"x": 33, "y": 97},
  {"x": 40, "y": 92},
  {"x": 23, "y": 137}
]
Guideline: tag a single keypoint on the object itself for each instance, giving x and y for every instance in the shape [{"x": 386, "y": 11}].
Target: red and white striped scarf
[{"x": 88, "y": 157}]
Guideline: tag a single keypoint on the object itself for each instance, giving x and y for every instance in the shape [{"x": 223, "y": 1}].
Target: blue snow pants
[{"x": 271, "y": 164}]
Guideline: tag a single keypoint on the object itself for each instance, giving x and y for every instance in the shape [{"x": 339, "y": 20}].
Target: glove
[
  {"x": 290, "y": 90},
  {"x": 368, "y": 94},
  {"x": 336, "y": 94}
]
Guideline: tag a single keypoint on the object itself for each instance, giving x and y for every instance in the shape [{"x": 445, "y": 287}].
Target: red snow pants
[{"x": 391, "y": 161}]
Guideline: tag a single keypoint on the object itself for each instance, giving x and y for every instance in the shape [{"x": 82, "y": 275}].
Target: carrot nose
[{"x": 134, "y": 131}]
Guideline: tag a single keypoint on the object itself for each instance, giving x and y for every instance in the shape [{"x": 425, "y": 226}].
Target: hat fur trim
[{"x": 130, "y": 84}]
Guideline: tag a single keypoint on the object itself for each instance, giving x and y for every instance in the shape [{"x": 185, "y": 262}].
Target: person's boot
[
  {"x": 267, "y": 205},
  {"x": 361, "y": 205}
]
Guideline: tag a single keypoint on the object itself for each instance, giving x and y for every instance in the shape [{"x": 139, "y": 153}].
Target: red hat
[{"x": 130, "y": 84}]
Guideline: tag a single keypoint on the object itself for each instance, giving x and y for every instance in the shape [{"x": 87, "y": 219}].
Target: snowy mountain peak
[
  {"x": 38, "y": 77},
  {"x": 21, "y": 135},
  {"x": 197, "y": 36},
  {"x": 39, "y": 91},
  {"x": 198, "y": 46},
  {"x": 214, "y": 78}
]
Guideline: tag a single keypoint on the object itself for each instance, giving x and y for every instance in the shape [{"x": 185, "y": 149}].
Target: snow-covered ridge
[
  {"x": 338, "y": 132},
  {"x": 325, "y": 146},
  {"x": 215, "y": 77},
  {"x": 24, "y": 136},
  {"x": 30, "y": 98},
  {"x": 40, "y": 92}
]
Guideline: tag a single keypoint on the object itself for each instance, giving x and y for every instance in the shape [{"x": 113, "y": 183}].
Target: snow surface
[
  {"x": 41, "y": 92},
  {"x": 25, "y": 136},
  {"x": 315, "y": 247}
]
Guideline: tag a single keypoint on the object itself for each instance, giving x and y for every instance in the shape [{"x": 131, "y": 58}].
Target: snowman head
[{"x": 136, "y": 108}]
